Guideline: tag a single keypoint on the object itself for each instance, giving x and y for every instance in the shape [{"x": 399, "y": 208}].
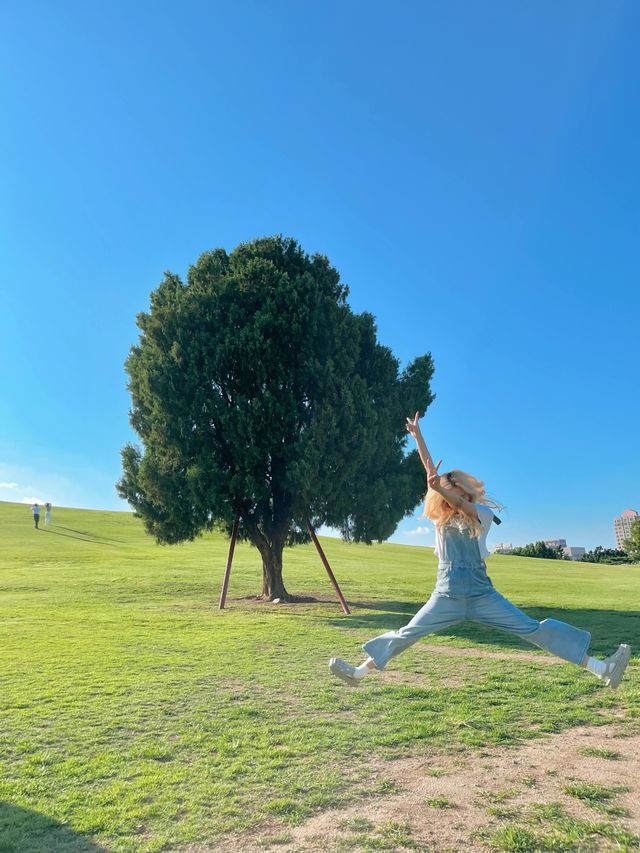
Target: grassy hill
[{"x": 136, "y": 716}]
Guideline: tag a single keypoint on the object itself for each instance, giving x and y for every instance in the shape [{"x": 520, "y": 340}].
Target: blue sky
[{"x": 470, "y": 168}]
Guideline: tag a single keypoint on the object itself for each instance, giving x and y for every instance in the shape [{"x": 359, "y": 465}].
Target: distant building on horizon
[
  {"x": 622, "y": 526},
  {"x": 574, "y": 552},
  {"x": 502, "y": 548}
]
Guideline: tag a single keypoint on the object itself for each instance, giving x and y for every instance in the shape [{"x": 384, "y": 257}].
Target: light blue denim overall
[{"x": 464, "y": 592}]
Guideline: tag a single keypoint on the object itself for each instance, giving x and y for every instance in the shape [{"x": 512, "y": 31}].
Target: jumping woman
[{"x": 457, "y": 504}]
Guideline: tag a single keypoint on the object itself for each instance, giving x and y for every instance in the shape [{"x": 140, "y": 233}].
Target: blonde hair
[{"x": 440, "y": 512}]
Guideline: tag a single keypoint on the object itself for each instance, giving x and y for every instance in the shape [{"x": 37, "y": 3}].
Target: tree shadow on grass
[
  {"x": 82, "y": 538},
  {"x": 86, "y": 533},
  {"x": 608, "y": 628},
  {"x": 27, "y": 831}
]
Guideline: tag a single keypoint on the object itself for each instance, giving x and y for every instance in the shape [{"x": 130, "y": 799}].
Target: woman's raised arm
[{"x": 413, "y": 428}]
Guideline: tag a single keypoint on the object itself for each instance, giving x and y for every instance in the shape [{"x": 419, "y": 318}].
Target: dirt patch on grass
[
  {"x": 457, "y": 802},
  {"x": 398, "y": 678}
]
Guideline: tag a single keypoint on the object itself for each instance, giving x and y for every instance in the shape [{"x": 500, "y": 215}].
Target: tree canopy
[{"x": 257, "y": 390}]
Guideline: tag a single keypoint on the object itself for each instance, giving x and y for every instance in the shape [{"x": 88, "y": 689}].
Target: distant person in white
[
  {"x": 35, "y": 509},
  {"x": 47, "y": 514}
]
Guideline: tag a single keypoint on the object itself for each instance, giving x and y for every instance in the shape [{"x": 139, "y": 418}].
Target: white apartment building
[
  {"x": 502, "y": 548},
  {"x": 622, "y": 526}
]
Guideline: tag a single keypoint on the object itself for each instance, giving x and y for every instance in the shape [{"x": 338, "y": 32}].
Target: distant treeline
[
  {"x": 606, "y": 555},
  {"x": 598, "y": 555},
  {"x": 539, "y": 549}
]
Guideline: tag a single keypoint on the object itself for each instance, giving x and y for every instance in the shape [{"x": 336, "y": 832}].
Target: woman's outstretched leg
[
  {"x": 559, "y": 638},
  {"x": 439, "y": 612}
]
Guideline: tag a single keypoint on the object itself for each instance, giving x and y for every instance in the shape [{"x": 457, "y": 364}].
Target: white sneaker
[
  {"x": 342, "y": 669},
  {"x": 615, "y": 666}
]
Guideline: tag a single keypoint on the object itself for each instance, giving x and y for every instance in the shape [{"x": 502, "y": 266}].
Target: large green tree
[{"x": 256, "y": 390}]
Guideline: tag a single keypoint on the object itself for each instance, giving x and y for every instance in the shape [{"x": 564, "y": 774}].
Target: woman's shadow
[{"x": 26, "y": 831}]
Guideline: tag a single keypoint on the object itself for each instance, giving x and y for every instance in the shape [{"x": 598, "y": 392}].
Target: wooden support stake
[
  {"x": 325, "y": 562},
  {"x": 232, "y": 545}
]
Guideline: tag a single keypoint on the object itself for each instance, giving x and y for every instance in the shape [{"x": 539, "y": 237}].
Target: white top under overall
[{"x": 485, "y": 514}]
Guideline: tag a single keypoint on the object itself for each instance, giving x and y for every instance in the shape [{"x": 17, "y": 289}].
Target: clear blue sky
[{"x": 470, "y": 168}]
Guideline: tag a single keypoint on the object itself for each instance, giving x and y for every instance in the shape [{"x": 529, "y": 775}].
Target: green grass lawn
[{"x": 136, "y": 716}]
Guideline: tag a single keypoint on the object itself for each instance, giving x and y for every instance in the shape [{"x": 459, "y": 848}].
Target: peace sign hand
[{"x": 413, "y": 428}]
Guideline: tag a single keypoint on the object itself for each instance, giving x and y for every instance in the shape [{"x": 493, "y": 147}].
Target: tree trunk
[
  {"x": 272, "y": 584},
  {"x": 270, "y": 548}
]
